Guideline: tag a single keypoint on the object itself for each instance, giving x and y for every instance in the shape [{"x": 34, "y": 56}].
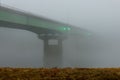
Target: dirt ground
[{"x": 59, "y": 73}]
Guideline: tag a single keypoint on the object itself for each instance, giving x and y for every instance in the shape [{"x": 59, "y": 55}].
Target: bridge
[{"x": 51, "y": 32}]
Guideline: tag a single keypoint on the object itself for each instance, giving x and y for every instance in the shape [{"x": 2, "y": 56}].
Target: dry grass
[{"x": 60, "y": 74}]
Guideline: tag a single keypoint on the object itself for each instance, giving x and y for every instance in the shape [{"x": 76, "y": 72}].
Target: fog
[{"x": 20, "y": 48}]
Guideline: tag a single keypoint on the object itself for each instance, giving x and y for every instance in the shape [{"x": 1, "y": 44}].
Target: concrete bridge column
[{"x": 52, "y": 51}]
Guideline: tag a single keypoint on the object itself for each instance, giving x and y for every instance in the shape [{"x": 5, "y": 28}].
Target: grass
[{"x": 59, "y": 73}]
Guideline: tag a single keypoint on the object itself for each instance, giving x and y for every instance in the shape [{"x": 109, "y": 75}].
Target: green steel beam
[
  {"x": 36, "y": 24},
  {"x": 22, "y": 18}
]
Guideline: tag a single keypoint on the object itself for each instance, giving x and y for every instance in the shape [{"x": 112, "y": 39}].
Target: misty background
[{"x": 21, "y": 48}]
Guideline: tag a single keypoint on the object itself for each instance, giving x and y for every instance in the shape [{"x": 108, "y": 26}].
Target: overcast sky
[{"x": 99, "y": 16}]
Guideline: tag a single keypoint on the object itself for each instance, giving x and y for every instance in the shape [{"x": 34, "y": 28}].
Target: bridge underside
[{"x": 37, "y": 30}]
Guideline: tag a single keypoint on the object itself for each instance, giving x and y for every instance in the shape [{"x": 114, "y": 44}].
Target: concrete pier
[{"x": 52, "y": 50}]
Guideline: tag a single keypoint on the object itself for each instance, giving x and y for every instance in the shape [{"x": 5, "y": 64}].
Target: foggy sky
[{"x": 99, "y": 16}]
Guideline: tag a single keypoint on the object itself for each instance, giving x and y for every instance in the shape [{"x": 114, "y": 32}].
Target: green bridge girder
[{"x": 22, "y": 18}]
